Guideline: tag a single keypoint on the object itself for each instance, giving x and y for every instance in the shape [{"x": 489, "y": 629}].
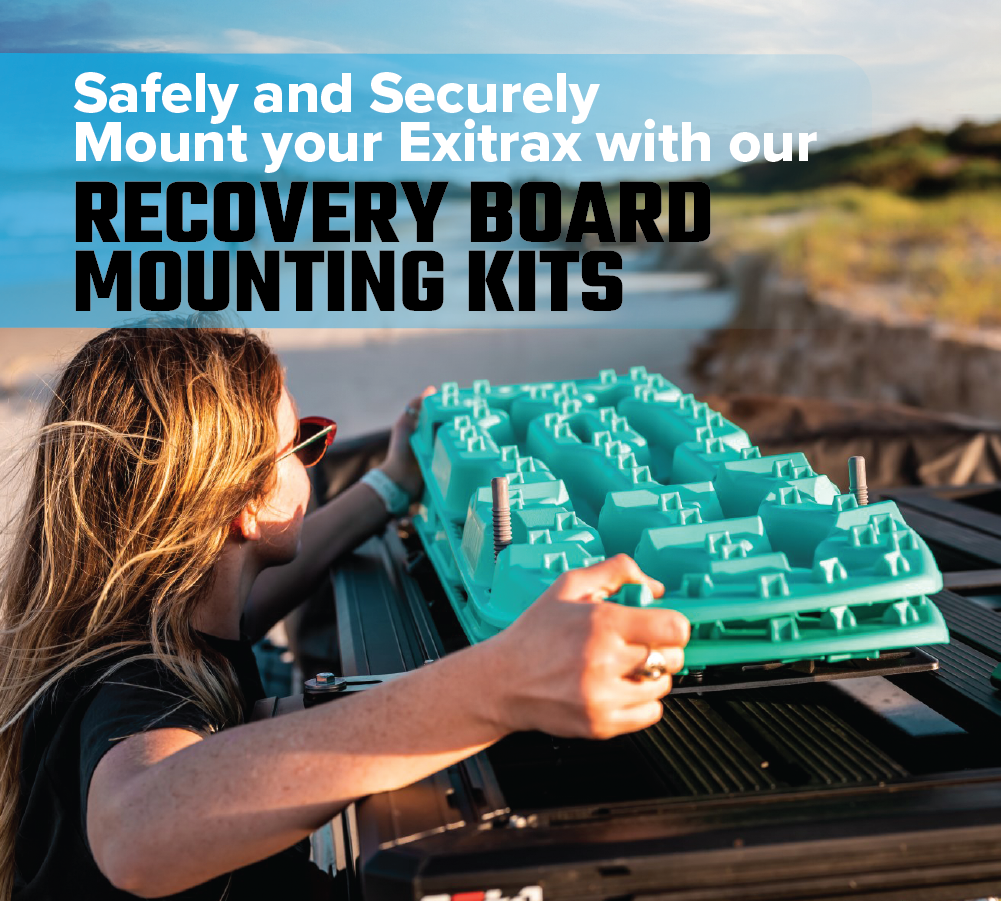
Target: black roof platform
[{"x": 883, "y": 787}]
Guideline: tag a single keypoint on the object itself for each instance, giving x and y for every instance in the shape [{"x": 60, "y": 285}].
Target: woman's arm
[
  {"x": 333, "y": 529},
  {"x": 167, "y": 811},
  {"x": 327, "y": 532}
]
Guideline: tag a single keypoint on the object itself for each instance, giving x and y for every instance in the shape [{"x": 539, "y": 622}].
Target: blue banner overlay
[{"x": 350, "y": 191}]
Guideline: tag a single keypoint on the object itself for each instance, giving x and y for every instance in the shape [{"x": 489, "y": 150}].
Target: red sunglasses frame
[{"x": 328, "y": 430}]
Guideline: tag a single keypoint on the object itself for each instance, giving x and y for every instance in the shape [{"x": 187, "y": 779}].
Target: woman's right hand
[{"x": 566, "y": 665}]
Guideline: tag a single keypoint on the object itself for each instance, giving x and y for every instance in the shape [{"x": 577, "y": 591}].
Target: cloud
[
  {"x": 759, "y": 9},
  {"x": 232, "y": 40},
  {"x": 242, "y": 41},
  {"x": 933, "y": 63},
  {"x": 88, "y": 27},
  {"x": 96, "y": 27}
]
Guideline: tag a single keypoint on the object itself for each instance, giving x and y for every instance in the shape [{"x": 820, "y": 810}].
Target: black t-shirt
[{"x": 68, "y": 732}]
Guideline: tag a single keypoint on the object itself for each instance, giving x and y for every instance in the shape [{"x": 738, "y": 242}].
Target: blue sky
[{"x": 928, "y": 63}]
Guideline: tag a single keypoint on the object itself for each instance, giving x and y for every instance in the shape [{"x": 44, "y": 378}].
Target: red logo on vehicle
[{"x": 528, "y": 893}]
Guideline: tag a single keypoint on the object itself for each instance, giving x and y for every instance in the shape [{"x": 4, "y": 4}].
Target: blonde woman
[{"x": 164, "y": 531}]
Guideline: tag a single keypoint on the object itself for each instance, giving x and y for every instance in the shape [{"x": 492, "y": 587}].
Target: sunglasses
[{"x": 313, "y": 437}]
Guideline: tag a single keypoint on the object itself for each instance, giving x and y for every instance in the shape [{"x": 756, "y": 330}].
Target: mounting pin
[
  {"x": 502, "y": 515},
  {"x": 856, "y": 480}
]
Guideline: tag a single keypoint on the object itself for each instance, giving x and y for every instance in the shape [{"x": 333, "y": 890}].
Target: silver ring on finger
[
  {"x": 411, "y": 410},
  {"x": 655, "y": 667}
]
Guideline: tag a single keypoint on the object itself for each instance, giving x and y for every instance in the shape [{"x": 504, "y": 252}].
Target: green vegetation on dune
[
  {"x": 939, "y": 258},
  {"x": 913, "y": 218},
  {"x": 914, "y": 161}
]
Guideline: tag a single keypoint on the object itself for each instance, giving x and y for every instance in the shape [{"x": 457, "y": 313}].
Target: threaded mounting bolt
[
  {"x": 502, "y": 514},
  {"x": 856, "y": 480}
]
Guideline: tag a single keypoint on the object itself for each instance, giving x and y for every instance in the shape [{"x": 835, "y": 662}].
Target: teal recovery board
[{"x": 766, "y": 558}]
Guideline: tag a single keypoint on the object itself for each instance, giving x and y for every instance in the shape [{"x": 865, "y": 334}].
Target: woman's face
[{"x": 280, "y": 517}]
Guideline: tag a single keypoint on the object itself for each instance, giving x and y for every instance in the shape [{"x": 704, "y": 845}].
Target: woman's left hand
[{"x": 401, "y": 465}]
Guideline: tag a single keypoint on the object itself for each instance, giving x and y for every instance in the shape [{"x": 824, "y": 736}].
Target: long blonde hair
[{"x": 153, "y": 442}]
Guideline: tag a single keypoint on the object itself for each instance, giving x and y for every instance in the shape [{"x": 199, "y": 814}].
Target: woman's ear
[{"x": 245, "y": 525}]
